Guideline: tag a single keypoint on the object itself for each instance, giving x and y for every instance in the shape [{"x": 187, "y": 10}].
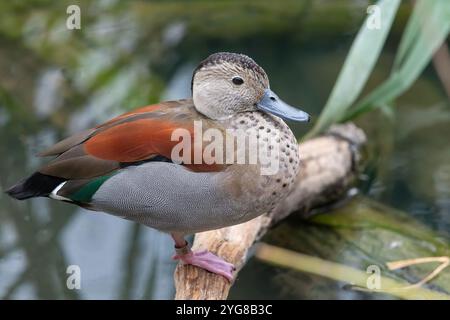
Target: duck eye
[{"x": 237, "y": 80}]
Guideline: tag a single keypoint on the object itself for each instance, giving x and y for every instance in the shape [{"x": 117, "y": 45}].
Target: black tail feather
[{"x": 37, "y": 185}]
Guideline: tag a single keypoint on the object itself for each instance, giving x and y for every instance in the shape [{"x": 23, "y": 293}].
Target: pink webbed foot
[{"x": 208, "y": 261}]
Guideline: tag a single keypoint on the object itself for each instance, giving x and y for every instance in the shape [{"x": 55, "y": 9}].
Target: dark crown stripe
[{"x": 237, "y": 58}]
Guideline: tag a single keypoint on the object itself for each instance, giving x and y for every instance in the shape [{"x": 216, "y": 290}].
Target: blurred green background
[{"x": 55, "y": 81}]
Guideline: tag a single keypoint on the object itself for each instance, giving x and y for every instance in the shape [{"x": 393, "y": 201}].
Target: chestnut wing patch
[
  {"x": 130, "y": 139},
  {"x": 134, "y": 141}
]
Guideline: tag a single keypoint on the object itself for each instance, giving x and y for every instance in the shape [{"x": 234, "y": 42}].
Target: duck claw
[{"x": 209, "y": 262}]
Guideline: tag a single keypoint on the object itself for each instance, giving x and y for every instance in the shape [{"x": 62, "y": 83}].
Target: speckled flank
[{"x": 272, "y": 135}]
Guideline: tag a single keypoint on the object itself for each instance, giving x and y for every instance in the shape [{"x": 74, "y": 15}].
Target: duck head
[{"x": 225, "y": 84}]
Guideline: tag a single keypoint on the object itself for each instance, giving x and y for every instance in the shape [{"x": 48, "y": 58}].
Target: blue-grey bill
[{"x": 272, "y": 104}]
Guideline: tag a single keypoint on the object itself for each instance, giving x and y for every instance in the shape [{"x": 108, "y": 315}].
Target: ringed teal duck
[{"x": 127, "y": 166}]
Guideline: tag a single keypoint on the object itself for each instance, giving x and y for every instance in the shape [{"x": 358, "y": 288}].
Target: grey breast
[{"x": 169, "y": 197}]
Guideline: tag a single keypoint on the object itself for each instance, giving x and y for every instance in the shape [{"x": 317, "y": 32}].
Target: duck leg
[{"x": 202, "y": 259}]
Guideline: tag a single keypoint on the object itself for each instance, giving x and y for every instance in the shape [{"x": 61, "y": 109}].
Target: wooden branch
[
  {"x": 329, "y": 165},
  {"x": 441, "y": 62}
]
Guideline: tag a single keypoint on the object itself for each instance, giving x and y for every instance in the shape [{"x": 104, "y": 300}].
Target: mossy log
[
  {"x": 359, "y": 234},
  {"x": 329, "y": 165}
]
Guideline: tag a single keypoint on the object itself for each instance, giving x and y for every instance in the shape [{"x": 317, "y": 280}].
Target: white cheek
[
  {"x": 201, "y": 96},
  {"x": 198, "y": 97},
  {"x": 207, "y": 102}
]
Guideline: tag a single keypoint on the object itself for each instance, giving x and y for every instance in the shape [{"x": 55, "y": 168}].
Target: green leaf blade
[{"x": 357, "y": 67}]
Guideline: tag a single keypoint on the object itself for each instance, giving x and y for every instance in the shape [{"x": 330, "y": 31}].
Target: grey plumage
[{"x": 170, "y": 198}]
